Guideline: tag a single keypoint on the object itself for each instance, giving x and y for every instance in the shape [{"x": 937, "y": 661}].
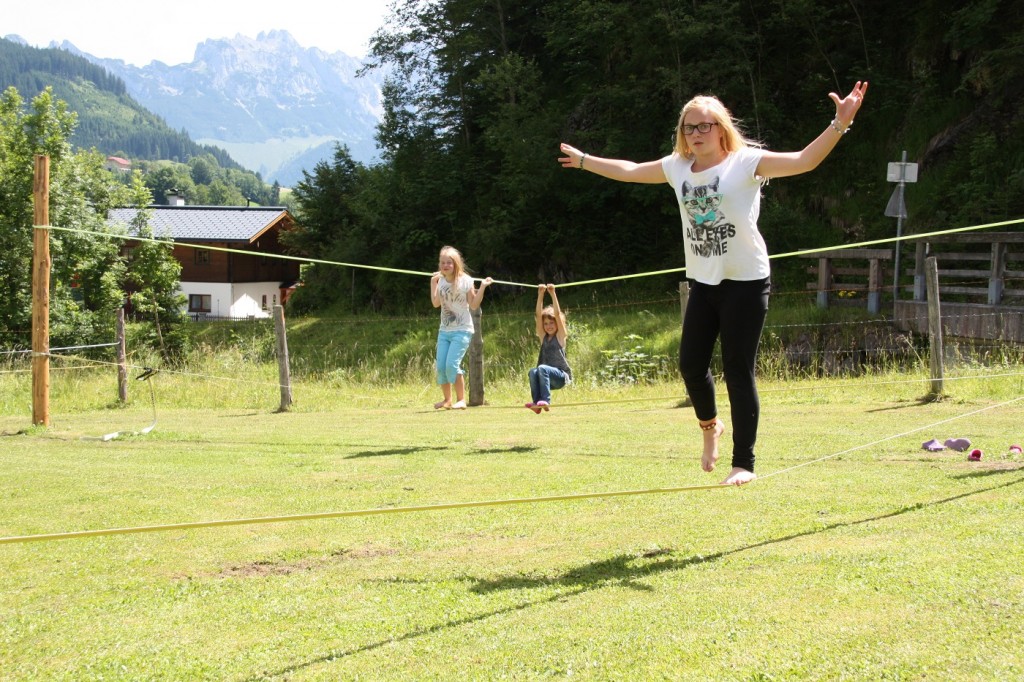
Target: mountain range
[{"x": 275, "y": 106}]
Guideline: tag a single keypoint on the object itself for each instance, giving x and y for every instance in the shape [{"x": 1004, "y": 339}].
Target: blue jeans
[
  {"x": 544, "y": 379},
  {"x": 451, "y": 347}
]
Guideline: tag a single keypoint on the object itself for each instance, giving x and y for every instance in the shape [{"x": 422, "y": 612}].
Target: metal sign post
[{"x": 900, "y": 173}]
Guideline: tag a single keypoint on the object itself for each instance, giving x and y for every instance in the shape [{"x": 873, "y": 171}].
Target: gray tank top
[{"x": 553, "y": 355}]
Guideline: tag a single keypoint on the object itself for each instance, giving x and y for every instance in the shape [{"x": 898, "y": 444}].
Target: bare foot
[
  {"x": 442, "y": 405},
  {"x": 710, "y": 456},
  {"x": 739, "y": 476}
]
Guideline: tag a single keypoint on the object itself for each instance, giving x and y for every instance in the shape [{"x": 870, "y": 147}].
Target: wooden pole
[
  {"x": 684, "y": 298},
  {"x": 874, "y": 286},
  {"x": 41, "y": 294},
  {"x": 824, "y": 281},
  {"x": 122, "y": 360},
  {"x": 920, "y": 253},
  {"x": 476, "y": 361},
  {"x": 934, "y": 324},
  {"x": 283, "y": 373},
  {"x": 995, "y": 278}
]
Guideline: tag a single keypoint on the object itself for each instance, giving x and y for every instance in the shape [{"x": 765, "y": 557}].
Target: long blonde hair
[
  {"x": 457, "y": 260},
  {"x": 732, "y": 139}
]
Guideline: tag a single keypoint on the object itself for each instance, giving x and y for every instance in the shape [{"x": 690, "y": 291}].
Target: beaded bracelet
[
  {"x": 835, "y": 126},
  {"x": 581, "y": 161}
]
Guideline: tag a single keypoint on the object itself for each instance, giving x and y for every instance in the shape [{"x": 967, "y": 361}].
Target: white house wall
[
  {"x": 237, "y": 300},
  {"x": 219, "y": 293},
  {"x": 249, "y": 297}
]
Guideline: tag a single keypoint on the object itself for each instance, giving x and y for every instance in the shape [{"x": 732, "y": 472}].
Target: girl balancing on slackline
[{"x": 717, "y": 175}]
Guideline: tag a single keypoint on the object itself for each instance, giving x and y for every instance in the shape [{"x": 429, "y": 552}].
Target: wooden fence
[
  {"x": 981, "y": 283},
  {"x": 839, "y": 272}
]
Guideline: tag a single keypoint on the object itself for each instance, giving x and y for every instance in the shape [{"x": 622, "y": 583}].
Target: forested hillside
[
  {"x": 484, "y": 91},
  {"x": 108, "y": 119}
]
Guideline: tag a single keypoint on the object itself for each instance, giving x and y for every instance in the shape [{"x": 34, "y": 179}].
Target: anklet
[{"x": 708, "y": 427}]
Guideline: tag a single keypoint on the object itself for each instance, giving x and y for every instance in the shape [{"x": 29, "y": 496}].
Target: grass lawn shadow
[
  {"x": 618, "y": 571},
  {"x": 394, "y": 451}
]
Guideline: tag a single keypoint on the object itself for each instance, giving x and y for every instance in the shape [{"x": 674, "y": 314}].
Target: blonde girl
[
  {"x": 451, "y": 290},
  {"x": 717, "y": 176}
]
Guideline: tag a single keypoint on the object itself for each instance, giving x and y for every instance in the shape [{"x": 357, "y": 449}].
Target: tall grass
[{"x": 611, "y": 347}]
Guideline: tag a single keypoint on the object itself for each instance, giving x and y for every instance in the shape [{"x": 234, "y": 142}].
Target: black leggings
[{"x": 735, "y": 312}]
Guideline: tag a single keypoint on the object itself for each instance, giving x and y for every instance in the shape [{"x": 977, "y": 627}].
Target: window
[
  {"x": 199, "y": 303},
  {"x": 264, "y": 301},
  {"x": 202, "y": 256}
]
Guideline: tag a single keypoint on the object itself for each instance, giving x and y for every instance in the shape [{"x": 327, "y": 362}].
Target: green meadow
[{"x": 857, "y": 554}]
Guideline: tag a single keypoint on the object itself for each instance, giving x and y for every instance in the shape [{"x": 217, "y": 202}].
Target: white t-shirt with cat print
[
  {"x": 455, "y": 315},
  {"x": 719, "y": 209}
]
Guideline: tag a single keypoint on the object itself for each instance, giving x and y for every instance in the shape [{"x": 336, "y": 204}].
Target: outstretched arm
[
  {"x": 780, "y": 165},
  {"x": 538, "y": 317},
  {"x": 649, "y": 172},
  {"x": 561, "y": 333}
]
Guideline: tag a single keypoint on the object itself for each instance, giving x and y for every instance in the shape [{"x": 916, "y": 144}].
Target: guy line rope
[
  {"x": 924, "y": 235},
  {"x": 490, "y": 503},
  {"x": 462, "y": 505}
]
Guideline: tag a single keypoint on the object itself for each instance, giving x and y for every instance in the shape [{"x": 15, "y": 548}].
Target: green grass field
[{"x": 884, "y": 562}]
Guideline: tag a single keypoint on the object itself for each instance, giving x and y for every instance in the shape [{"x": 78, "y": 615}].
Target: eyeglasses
[{"x": 704, "y": 127}]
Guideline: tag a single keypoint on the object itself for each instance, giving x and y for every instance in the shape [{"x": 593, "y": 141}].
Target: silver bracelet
[
  {"x": 835, "y": 126},
  {"x": 581, "y": 161}
]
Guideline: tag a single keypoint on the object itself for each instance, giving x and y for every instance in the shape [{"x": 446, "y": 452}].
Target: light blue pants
[{"x": 451, "y": 347}]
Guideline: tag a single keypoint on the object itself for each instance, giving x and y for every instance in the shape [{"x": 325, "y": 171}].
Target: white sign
[
  {"x": 901, "y": 172},
  {"x": 896, "y": 207}
]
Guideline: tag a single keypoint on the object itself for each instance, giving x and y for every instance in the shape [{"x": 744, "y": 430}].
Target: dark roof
[{"x": 205, "y": 223}]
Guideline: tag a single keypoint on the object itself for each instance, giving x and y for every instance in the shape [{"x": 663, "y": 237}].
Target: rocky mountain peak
[{"x": 277, "y": 107}]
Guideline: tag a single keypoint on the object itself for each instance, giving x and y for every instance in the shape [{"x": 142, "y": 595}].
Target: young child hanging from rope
[
  {"x": 552, "y": 370},
  {"x": 451, "y": 290}
]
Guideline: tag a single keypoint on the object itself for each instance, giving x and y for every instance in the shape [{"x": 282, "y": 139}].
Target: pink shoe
[
  {"x": 531, "y": 406},
  {"x": 975, "y": 456},
  {"x": 544, "y": 404}
]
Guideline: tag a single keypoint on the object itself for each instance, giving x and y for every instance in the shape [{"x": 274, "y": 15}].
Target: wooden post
[
  {"x": 920, "y": 253},
  {"x": 122, "y": 360},
  {"x": 824, "y": 281},
  {"x": 874, "y": 286},
  {"x": 283, "y": 373},
  {"x": 684, "y": 299},
  {"x": 41, "y": 294},
  {"x": 476, "y": 361},
  {"x": 995, "y": 278},
  {"x": 934, "y": 324}
]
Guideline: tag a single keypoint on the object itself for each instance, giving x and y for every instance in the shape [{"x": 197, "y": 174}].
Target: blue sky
[{"x": 140, "y": 32}]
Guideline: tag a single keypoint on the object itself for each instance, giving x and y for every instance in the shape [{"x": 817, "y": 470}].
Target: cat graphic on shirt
[{"x": 709, "y": 231}]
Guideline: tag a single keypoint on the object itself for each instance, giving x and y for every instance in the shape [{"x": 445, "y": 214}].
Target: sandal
[{"x": 958, "y": 444}]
